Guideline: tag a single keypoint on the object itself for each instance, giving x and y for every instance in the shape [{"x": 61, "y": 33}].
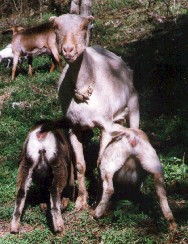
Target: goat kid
[
  {"x": 35, "y": 41},
  {"x": 118, "y": 160},
  {"x": 46, "y": 158},
  {"x": 7, "y": 53}
]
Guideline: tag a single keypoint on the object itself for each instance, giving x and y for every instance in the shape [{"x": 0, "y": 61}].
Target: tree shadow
[
  {"x": 91, "y": 150},
  {"x": 161, "y": 78},
  {"x": 160, "y": 63}
]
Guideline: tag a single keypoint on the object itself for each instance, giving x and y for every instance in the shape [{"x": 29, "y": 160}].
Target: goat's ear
[
  {"x": 13, "y": 29},
  {"x": 89, "y": 18},
  {"x": 55, "y": 20},
  {"x": 52, "y": 19},
  {"x": 87, "y": 21}
]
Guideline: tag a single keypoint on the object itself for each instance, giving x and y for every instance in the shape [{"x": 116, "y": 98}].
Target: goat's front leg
[
  {"x": 30, "y": 60},
  {"x": 76, "y": 142},
  {"x": 23, "y": 183},
  {"x": 60, "y": 176},
  {"x": 15, "y": 63},
  {"x": 108, "y": 190}
]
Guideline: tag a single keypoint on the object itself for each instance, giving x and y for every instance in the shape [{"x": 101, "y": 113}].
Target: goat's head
[{"x": 71, "y": 31}]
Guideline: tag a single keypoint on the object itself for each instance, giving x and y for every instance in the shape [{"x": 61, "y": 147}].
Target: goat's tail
[
  {"x": 132, "y": 135},
  {"x": 51, "y": 125}
]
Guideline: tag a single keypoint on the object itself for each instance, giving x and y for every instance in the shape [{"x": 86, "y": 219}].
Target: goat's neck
[{"x": 81, "y": 72}]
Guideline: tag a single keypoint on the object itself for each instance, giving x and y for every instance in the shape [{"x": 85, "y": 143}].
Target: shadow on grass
[
  {"x": 160, "y": 66},
  {"x": 161, "y": 77}
]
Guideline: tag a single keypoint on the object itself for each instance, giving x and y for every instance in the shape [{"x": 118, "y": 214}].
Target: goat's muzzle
[{"x": 69, "y": 53}]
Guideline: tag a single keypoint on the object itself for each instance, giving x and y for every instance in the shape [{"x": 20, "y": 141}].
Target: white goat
[{"x": 7, "y": 53}]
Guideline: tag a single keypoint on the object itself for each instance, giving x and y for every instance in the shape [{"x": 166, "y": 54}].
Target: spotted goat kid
[{"x": 46, "y": 158}]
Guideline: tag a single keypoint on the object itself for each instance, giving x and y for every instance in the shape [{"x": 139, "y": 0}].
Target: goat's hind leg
[
  {"x": 23, "y": 182},
  {"x": 161, "y": 194},
  {"x": 150, "y": 162},
  {"x": 134, "y": 114},
  {"x": 56, "y": 59},
  {"x": 108, "y": 190},
  {"x": 53, "y": 65},
  {"x": 58, "y": 184}
]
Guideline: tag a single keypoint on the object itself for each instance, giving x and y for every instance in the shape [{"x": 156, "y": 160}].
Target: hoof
[
  {"x": 98, "y": 213},
  {"x": 64, "y": 203},
  {"x": 60, "y": 230},
  {"x": 43, "y": 207},
  {"x": 81, "y": 203},
  {"x": 173, "y": 226},
  {"x": 14, "y": 230},
  {"x": 95, "y": 216}
]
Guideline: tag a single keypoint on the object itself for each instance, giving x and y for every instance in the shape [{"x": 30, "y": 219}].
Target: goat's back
[{"x": 40, "y": 36}]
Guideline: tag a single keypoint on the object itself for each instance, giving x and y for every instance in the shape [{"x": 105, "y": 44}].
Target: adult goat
[{"x": 95, "y": 90}]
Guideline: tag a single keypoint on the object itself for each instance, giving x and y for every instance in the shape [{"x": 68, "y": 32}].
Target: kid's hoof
[
  {"x": 14, "y": 230},
  {"x": 60, "y": 230}
]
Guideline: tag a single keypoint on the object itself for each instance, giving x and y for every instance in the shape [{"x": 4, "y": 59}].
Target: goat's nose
[{"x": 68, "y": 48}]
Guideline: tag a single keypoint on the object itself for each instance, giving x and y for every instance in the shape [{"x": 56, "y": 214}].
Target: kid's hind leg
[
  {"x": 161, "y": 194},
  {"x": 134, "y": 114},
  {"x": 23, "y": 183},
  {"x": 150, "y": 162},
  {"x": 58, "y": 184},
  {"x": 107, "y": 171},
  {"x": 108, "y": 190}
]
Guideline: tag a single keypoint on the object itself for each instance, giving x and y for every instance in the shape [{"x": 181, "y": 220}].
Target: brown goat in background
[{"x": 35, "y": 41}]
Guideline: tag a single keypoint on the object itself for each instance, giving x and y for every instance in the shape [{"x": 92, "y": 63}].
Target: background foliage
[{"x": 151, "y": 36}]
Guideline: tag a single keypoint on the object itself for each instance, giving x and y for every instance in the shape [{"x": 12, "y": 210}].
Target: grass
[{"x": 157, "y": 53}]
